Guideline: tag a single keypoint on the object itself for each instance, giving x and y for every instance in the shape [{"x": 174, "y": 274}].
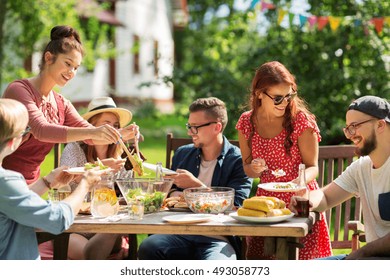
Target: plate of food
[
  {"x": 264, "y": 220},
  {"x": 176, "y": 204},
  {"x": 181, "y": 208},
  {"x": 89, "y": 165},
  {"x": 153, "y": 167},
  {"x": 82, "y": 169},
  {"x": 188, "y": 218},
  {"x": 76, "y": 170},
  {"x": 280, "y": 187}
]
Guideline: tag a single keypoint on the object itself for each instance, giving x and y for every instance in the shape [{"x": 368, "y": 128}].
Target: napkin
[{"x": 114, "y": 218}]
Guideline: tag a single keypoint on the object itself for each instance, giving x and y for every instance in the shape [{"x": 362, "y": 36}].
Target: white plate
[
  {"x": 187, "y": 218},
  {"x": 75, "y": 170},
  {"x": 272, "y": 187},
  {"x": 165, "y": 171},
  {"x": 264, "y": 220},
  {"x": 81, "y": 170}
]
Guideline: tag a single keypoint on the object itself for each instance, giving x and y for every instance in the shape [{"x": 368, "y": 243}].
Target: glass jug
[{"x": 104, "y": 201}]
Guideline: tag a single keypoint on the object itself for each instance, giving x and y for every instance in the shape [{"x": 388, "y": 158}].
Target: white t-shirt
[
  {"x": 363, "y": 180},
  {"x": 206, "y": 171}
]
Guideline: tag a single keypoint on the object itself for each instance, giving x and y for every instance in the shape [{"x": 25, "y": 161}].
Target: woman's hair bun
[{"x": 63, "y": 31}]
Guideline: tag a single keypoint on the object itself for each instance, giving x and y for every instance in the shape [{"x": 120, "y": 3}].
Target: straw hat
[{"x": 107, "y": 105}]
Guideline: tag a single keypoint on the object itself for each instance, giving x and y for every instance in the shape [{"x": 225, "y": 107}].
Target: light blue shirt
[{"x": 22, "y": 211}]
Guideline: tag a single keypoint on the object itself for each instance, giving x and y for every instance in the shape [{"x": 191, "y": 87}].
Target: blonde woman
[{"x": 21, "y": 210}]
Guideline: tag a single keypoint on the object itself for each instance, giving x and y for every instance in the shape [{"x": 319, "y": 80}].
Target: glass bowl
[
  {"x": 151, "y": 192},
  {"x": 211, "y": 200}
]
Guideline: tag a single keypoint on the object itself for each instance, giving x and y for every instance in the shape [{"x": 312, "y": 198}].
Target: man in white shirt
[{"x": 368, "y": 127}]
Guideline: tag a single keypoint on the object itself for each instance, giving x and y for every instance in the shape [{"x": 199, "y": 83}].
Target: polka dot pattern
[{"x": 317, "y": 243}]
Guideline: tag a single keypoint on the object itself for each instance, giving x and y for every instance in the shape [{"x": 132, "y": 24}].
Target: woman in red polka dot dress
[{"x": 279, "y": 132}]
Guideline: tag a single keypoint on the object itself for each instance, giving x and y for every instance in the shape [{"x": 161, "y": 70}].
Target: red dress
[{"x": 317, "y": 243}]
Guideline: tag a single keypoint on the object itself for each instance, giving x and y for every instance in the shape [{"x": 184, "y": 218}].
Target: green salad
[
  {"x": 90, "y": 165},
  {"x": 152, "y": 201}
]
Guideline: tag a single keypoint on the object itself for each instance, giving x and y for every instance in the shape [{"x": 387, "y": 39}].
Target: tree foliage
[
  {"x": 219, "y": 55},
  {"x": 25, "y": 29}
]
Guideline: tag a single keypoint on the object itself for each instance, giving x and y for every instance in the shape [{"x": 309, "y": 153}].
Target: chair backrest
[
  {"x": 57, "y": 154},
  {"x": 174, "y": 143},
  {"x": 332, "y": 161}
]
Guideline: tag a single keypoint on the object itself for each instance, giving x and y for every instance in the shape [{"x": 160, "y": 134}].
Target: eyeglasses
[
  {"x": 194, "y": 128},
  {"x": 278, "y": 99},
  {"x": 351, "y": 129},
  {"x": 26, "y": 131}
]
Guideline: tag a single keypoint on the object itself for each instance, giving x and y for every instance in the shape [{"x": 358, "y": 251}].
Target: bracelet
[{"x": 47, "y": 183}]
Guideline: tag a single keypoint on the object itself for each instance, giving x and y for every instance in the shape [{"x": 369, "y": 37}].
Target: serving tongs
[
  {"x": 136, "y": 165},
  {"x": 136, "y": 146}
]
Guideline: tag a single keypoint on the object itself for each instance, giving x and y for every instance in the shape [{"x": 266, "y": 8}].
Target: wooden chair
[
  {"x": 346, "y": 217},
  {"x": 57, "y": 154},
  {"x": 174, "y": 143}
]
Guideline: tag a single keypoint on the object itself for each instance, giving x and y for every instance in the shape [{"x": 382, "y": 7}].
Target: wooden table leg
[
  {"x": 133, "y": 247},
  {"x": 269, "y": 246},
  {"x": 60, "y": 245},
  {"x": 287, "y": 248}
]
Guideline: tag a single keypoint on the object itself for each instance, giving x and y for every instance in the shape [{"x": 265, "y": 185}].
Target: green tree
[
  {"x": 23, "y": 23},
  {"x": 25, "y": 28},
  {"x": 220, "y": 54}
]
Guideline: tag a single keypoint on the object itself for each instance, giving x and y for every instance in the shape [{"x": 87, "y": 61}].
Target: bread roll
[
  {"x": 250, "y": 212},
  {"x": 181, "y": 205},
  {"x": 261, "y": 204}
]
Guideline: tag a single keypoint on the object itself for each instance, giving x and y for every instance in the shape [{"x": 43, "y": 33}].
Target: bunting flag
[
  {"x": 321, "y": 21},
  {"x": 334, "y": 22},
  {"x": 357, "y": 22},
  {"x": 253, "y": 4},
  {"x": 291, "y": 17},
  {"x": 387, "y": 20},
  {"x": 302, "y": 20},
  {"x": 312, "y": 21},
  {"x": 281, "y": 14},
  {"x": 267, "y": 6},
  {"x": 378, "y": 23}
]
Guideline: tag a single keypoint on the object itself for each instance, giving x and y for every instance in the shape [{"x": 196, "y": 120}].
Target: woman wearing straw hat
[
  {"x": 53, "y": 118},
  {"x": 101, "y": 111}
]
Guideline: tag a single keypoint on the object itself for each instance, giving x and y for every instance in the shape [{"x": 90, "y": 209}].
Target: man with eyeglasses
[
  {"x": 210, "y": 161},
  {"x": 368, "y": 127}
]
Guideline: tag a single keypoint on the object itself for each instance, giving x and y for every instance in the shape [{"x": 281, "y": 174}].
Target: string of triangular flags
[{"x": 319, "y": 21}]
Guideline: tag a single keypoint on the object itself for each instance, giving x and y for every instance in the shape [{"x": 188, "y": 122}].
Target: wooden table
[{"x": 283, "y": 241}]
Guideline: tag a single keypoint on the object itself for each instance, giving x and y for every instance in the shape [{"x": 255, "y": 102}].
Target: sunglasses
[
  {"x": 194, "y": 128},
  {"x": 278, "y": 99},
  {"x": 351, "y": 129},
  {"x": 26, "y": 131}
]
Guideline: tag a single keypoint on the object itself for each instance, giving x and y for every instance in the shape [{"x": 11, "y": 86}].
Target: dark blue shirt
[{"x": 228, "y": 172}]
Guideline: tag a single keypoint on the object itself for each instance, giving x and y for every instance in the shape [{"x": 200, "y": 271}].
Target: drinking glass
[{"x": 136, "y": 210}]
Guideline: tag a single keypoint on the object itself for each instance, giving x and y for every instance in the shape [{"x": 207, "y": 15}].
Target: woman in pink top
[{"x": 52, "y": 118}]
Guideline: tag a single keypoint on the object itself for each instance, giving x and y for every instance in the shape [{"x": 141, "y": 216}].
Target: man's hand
[{"x": 184, "y": 179}]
